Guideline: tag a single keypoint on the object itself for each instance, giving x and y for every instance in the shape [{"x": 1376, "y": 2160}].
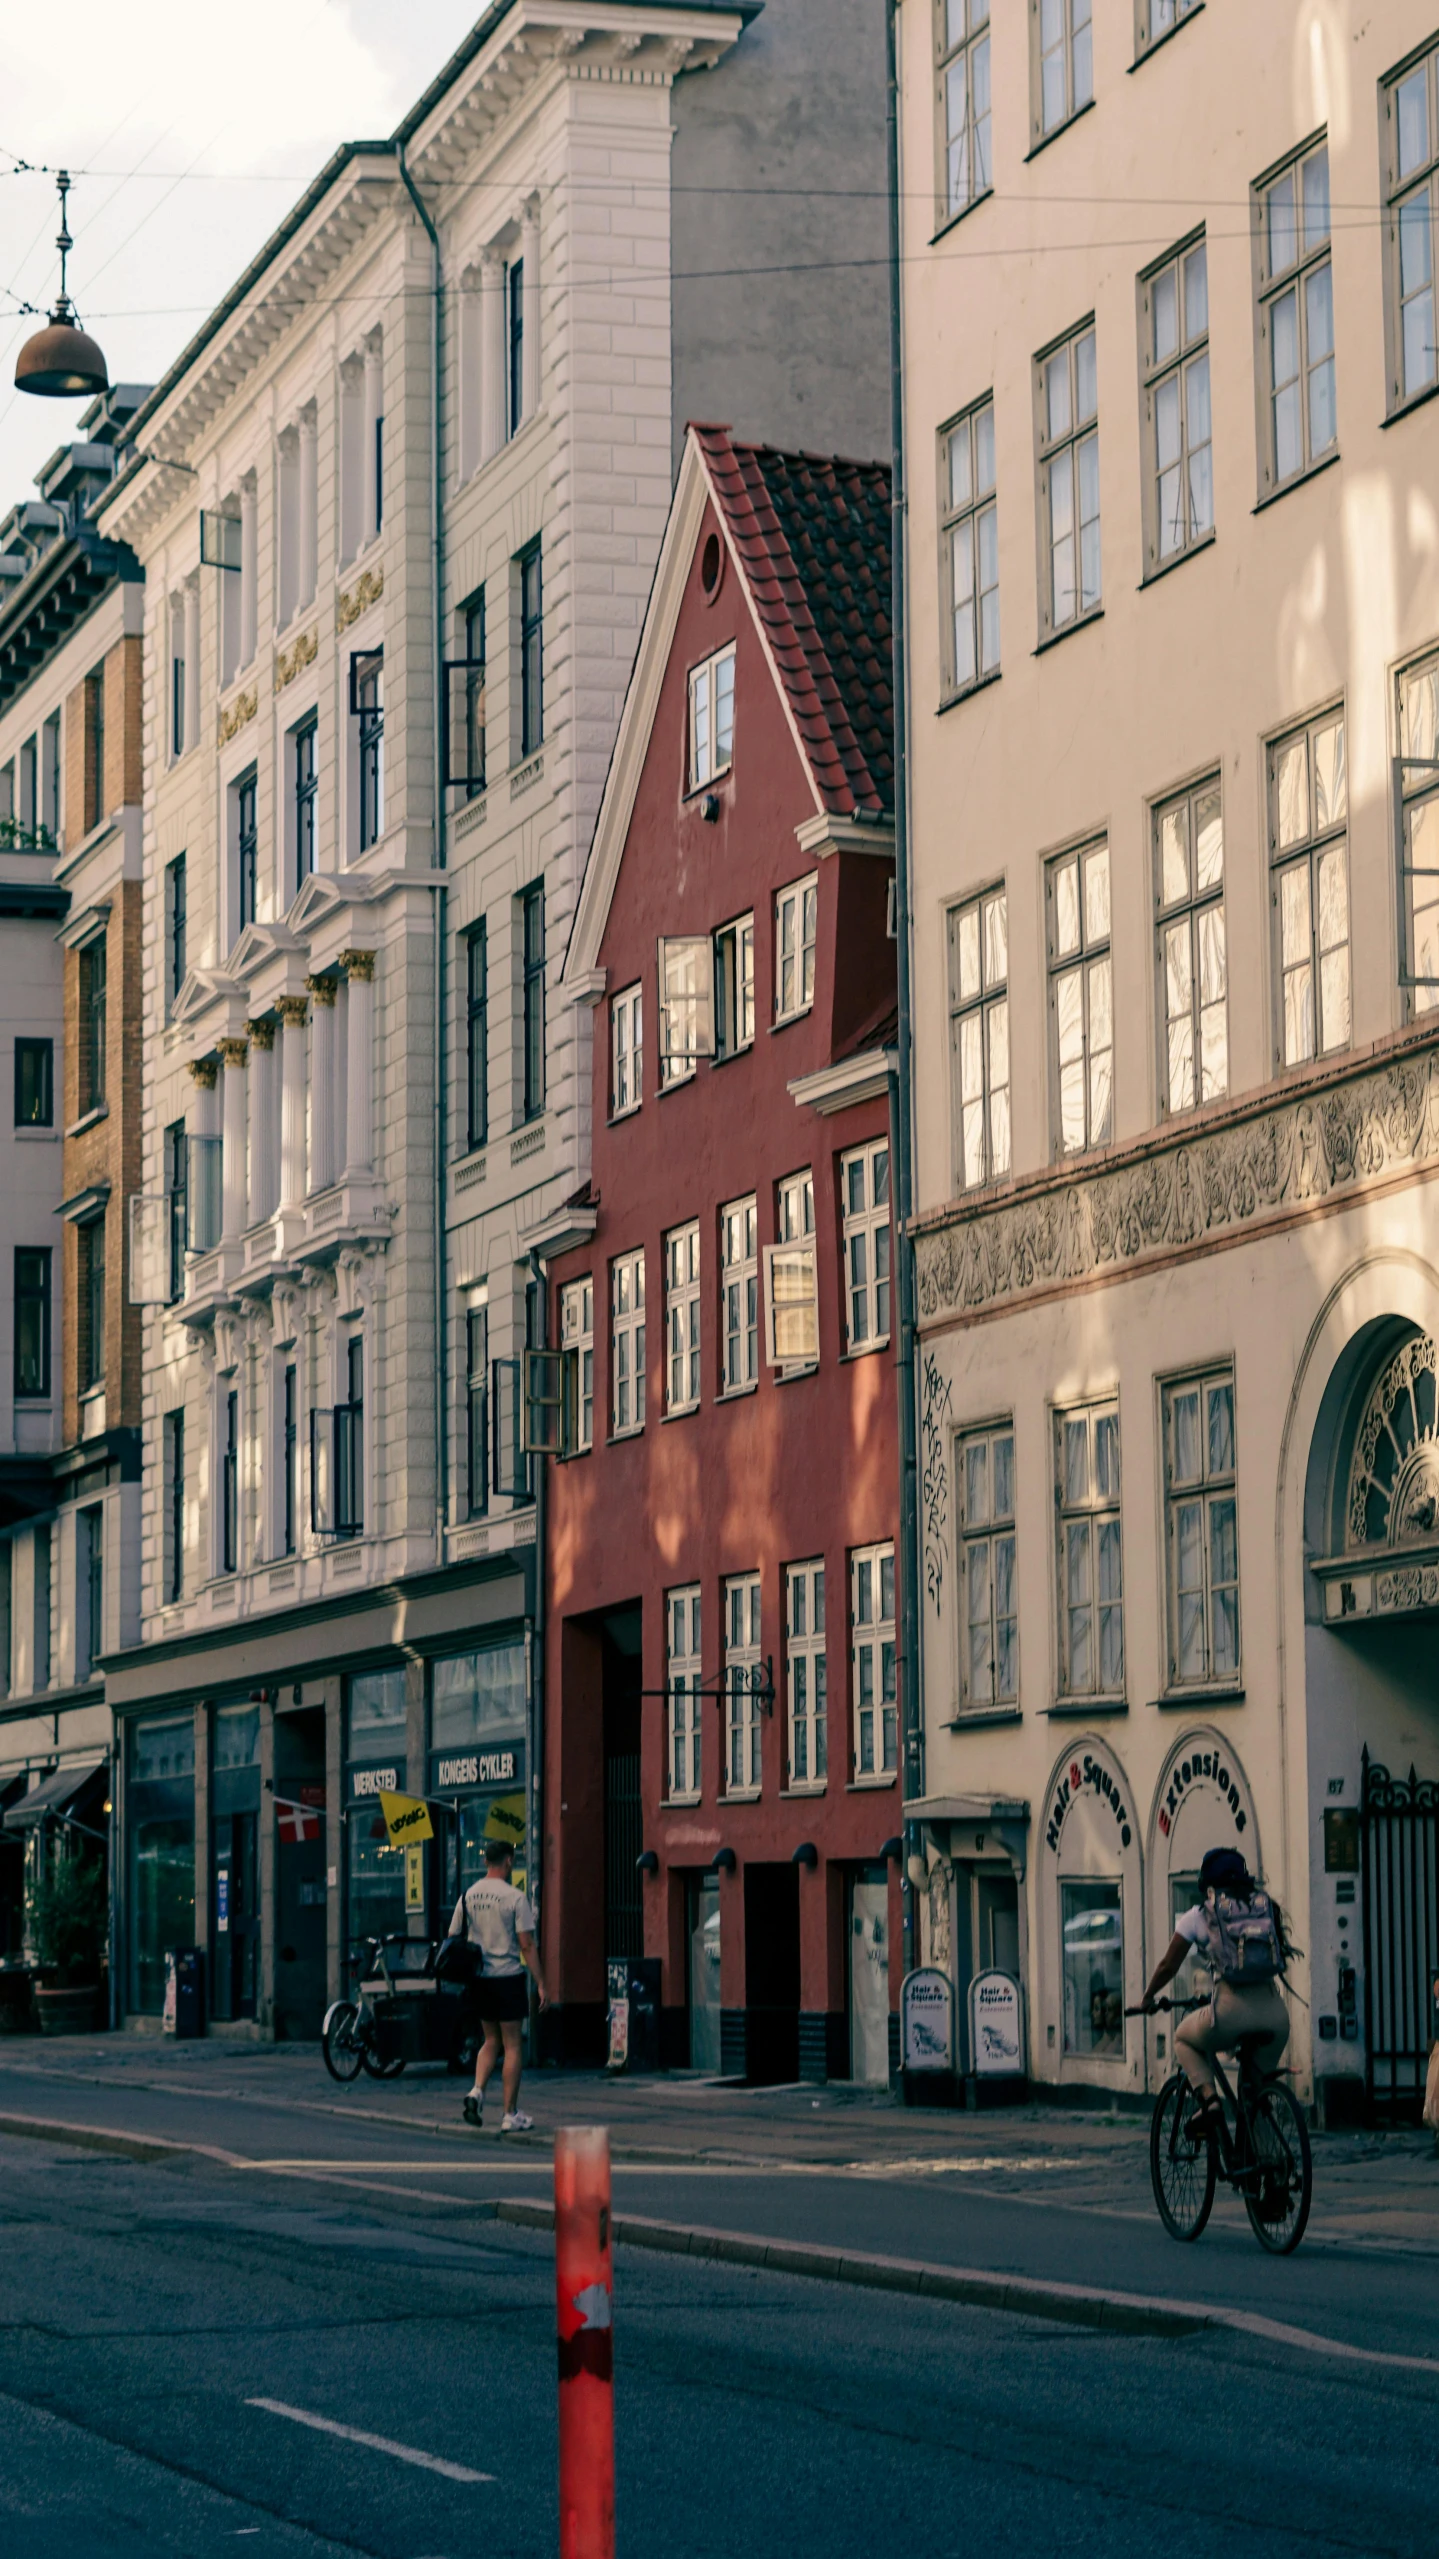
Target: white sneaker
[{"x": 518, "y": 2123}]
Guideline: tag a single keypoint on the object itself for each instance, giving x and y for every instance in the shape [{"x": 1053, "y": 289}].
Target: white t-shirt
[
  {"x": 1196, "y": 1927},
  {"x": 493, "y": 1915}
]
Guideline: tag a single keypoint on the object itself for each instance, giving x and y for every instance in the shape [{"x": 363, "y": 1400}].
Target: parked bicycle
[
  {"x": 405, "y": 2005},
  {"x": 1256, "y": 2139}
]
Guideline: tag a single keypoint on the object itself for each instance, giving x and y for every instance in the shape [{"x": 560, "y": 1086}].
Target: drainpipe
[
  {"x": 901, "y": 1090},
  {"x": 442, "y": 1441}
]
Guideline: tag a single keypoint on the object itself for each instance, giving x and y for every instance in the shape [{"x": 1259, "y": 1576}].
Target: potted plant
[{"x": 65, "y": 1912}]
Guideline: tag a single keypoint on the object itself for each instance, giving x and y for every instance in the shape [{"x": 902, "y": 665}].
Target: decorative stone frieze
[
  {"x": 357, "y": 599},
  {"x": 292, "y": 661},
  {"x": 240, "y": 713}
]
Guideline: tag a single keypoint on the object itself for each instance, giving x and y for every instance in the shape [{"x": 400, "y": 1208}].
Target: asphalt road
[{"x": 147, "y": 2309}]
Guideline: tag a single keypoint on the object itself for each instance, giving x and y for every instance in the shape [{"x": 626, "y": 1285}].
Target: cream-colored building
[{"x": 1174, "y": 581}]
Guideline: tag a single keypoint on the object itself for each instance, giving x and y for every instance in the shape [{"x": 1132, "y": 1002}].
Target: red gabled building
[{"x": 722, "y": 1789}]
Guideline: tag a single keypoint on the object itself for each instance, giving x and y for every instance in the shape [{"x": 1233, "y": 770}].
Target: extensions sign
[
  {"x": 1196, "y": 1768},
  {"x": 1087, "y": 1775}
]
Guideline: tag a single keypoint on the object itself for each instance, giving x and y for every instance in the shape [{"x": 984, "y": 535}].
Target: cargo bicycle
[
  {"x": 1256, "y": 2139},
  {"x": 407, "y": 2003}
]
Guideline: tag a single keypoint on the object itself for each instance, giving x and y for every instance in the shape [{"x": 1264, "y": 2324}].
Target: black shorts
[{"x": 501, "y": 1997}]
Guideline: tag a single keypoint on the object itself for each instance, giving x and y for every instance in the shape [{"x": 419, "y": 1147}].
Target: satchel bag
[{"x": 459, "y": 1961}]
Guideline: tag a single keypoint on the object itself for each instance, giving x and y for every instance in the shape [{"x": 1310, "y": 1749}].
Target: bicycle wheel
[
  {"x": 1181, "y": 2161},
  {"x": 343, "y": 2055},
  {"x": 1277, "y": 2193},
  {"x": 382, "y": 2065}
]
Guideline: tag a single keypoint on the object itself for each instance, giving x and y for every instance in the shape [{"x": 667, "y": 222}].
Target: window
[
  {"x": 734, "y": 987},
  {"x": 682, "y": 1317},
  {"x": 1080, "y": 1005},
  {"x": 795, "y": 912},
  {"x": 864, "y": 1195},
  {"x": 532, "y": 653},
  {"x": 1296, "y": 318},
  {"x": 34, "y": 1083},
  {"x": 94, "y": 750},
  {"x": 477, "y": 1411},
  {"x": 306, "y": 790},
  {"x": 806, "y": 1674},
  {"x": 246, "y": 847},
  {"x": 532, "y": 945},
  {"x": 90, "y": 1243},
  {"x": 173, "y": 1468},
  {"x": 686, "y": 990},
  {"x": 1201, "y": 1530},
  {"x": 682, "y": 1677},
  {"x": 627, "y": 1342},
  {"x": 177, "y": 677},
  {"x": 989, "y": 1667},
  {"x": 350, "y": 1444},
  {"x": 1156, "y": 18},
  {"x": 177, "y": 1192},
  {"x": 367, "y": 704},
  {"x": 1309, "y": 889},
  {"x": 1419, "y": 804},
  {"x": 466, "y": 760},
  {"x": 627, "y": 1051},
  {"x": 92, "y": 1024},
  {"x": 477, "y": 1034},
  {"x": 289, "y": 1457},
  {"x": 739, "y": 1294},
  {"x": 1179, "y": 491},
  {"x": 176, "y": 928},
  {"x": 91, "y": 1525},
  {"x": 50, "y": 776},
  {"x": 7, "y": 799},
  {"x": 969, "y": 535},
  {"x": 1067, "y": 392},
  {"x": 30, "y": 787},
  {"x": 1091, "y": 1569},
  {"x": 712, "y": 718},
  {"x": 1411, "y": 124},
  {"x": 876, "y": 1707},
  {"x": 979, "y": 1037},
  {"x": 229, "y": 1480},
  {"x": 1091, "y": 1919},
  {"x": 32, "y": 1320},
  {"x": 743, "y": 1771},
  {"x": 577, "y": 1343},
  {"x": 514, "y": 346},
  {"x": 791, "y": 1297},
  {"x": 1064, "y": 62},
  {"x": 964, "y": 102},
  {"x": 1193, "y": 967}
]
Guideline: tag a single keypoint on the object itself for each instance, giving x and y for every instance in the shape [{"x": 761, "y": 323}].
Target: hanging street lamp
[{"x": 60, "y": 362}]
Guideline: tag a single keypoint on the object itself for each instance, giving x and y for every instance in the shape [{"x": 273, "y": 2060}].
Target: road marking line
[{"x": 376, "y": 2443}]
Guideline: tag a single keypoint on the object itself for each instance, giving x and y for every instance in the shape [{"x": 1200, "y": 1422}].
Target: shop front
[
  {"x": 159, "y": 1852},
  {"x": 477, "y": 1767},
  {"x": 376, "y": 1763},
  {"x": 235, "y": 1864},
  {"x": 1090, "y": 1919}
]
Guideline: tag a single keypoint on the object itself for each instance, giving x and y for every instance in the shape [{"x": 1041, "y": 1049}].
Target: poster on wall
[
  {"x": 926, "y": 2008},
  {"x": 618, "y": 1983},
  {"x": 996, "y": 2039}
]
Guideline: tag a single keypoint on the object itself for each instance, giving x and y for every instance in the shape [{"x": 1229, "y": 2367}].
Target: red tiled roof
[{"x": 813, "y": 538}]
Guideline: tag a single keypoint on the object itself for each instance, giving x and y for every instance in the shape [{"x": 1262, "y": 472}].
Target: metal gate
[{"x": 1400, "y": 1830}]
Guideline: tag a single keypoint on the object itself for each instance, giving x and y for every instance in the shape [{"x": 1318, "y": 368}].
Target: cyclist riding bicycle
[{"x": 1238, "y": 1931}]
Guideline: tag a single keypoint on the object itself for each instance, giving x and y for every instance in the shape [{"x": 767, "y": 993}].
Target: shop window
[
  {"x": 376, "y": 1738},
  {"x": 160, "y": 1852},
  {"x": 1092, "y": 1925}
]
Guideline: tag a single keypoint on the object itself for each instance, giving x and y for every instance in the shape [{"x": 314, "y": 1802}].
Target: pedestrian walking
[{"x": 495, "y": 1916}]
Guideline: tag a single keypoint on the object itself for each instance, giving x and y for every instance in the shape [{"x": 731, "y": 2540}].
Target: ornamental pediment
[
  {"x": 323, "y": 898},
  {"x": 201, "y": 989},
  {"x": 257, "y": 946}
]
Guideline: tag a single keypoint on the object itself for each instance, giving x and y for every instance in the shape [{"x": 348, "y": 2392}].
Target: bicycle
[{"x": 1264, "y": 2154}]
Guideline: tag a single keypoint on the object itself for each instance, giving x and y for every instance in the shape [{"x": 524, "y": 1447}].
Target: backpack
[{"x": 1244, "y": 1940}]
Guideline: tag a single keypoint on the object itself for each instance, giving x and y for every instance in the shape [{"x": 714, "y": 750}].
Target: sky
[{"x": 189, "y": 132}]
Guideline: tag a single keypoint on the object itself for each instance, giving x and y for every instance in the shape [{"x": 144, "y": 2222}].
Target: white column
[
  {"x": 530, "y": 310},
  {"x": 192, "y": 663},
  {"x": 309, "y": 507},
  {"x": 292, "y": 1010},
  {"x": 234, "y": 1186},
  {"x": 322, "y": 1083},
  {"x": 249, "y": 568},
  {"x": 262, "y": 1120},
  {"x": 492, "y": 353},
  {"x": 359, "y": 967},
  {"x": 374, "y": 411}
]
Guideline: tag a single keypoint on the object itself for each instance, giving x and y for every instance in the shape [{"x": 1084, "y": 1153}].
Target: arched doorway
[
  {"x": 1203, "y": 1800},
  {"x": 1090, "y": 1919}
]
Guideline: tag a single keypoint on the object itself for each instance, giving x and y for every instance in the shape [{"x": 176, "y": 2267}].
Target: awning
[{"x": 54, "y": 1794}]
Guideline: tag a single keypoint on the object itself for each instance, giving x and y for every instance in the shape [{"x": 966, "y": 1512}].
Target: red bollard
[{"x": 584, "y": 2282}]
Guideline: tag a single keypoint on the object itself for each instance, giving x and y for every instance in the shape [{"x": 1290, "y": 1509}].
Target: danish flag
[{"x": 296, "y": 1821}]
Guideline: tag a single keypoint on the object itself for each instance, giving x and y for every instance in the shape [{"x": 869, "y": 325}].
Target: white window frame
[
  {"x": 962, "y": 106},
  {"x": 682, "y": 1318},
  {"x": 1081, "y": 972},
  {"x": 1066, "y": 419},
  {"x": 1321, "y": 851},
  {"x": 1417, "y": 827},
  {"x": 1074, "y": 19},
  {"x": 874, "y": 1663},
  {"x": 1178, "y": 420},
  {"x": 627, "y": 1051},
  {"x": 791, "y": 1289},
  {"x": 969, "y": 550},
  {"x": 627, "y": 1344},
  {"x": 1156, "y": 19},
  {"x": 806, "y": 1677},
  {"x": 978, "y": 943},
  {"x": 1191, "y": 955},
  {"x": 683, "y": 1675},
  {"x": 734, "y": 987},
  {"x": 796, "y": 915},
  {"x": 686, "y": 996},
  {"x": 577, "y": 1343},
  {"x": 988, "y": 1565},
  {"x": 1306, "y": 275},
  {"x": 1089, "y": 1551},
  {"x": 743, "y": 1628},
  {"x": 1411, "y": 229},
  {"x": 1201, "y": 1511},
  {"x": 866, "y": 1245},
  {"x": 711, "y": 718},
  {"x": 739, "y": 1295}
]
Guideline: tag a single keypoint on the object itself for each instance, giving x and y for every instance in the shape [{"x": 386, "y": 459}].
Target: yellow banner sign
[
  {"x": 407, "y": 1818},
  {"x": 505, "y": 1819}
]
